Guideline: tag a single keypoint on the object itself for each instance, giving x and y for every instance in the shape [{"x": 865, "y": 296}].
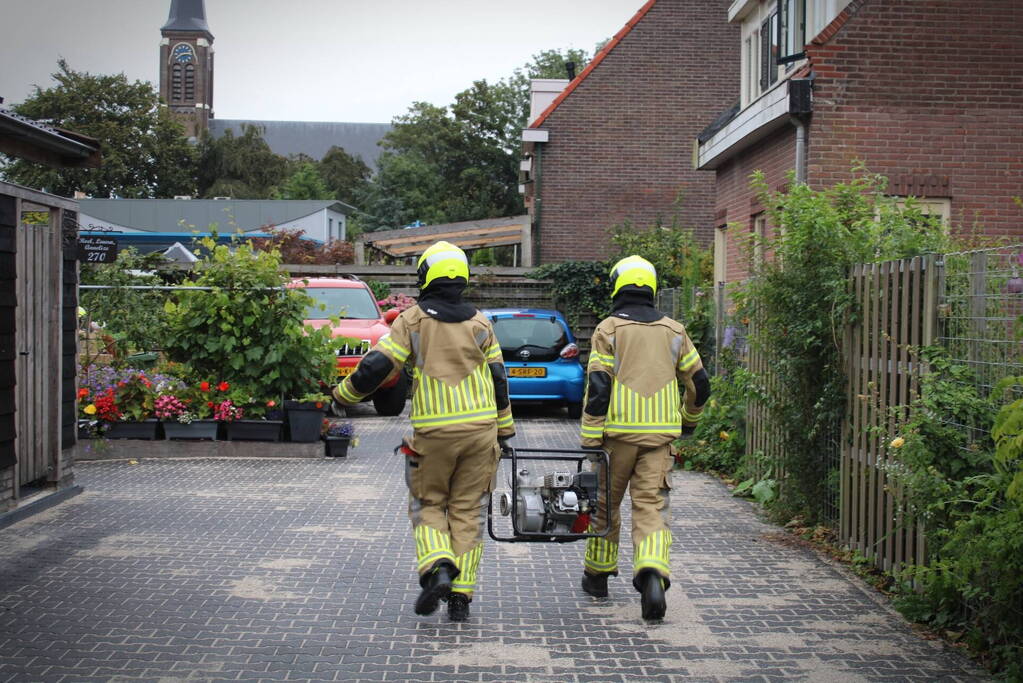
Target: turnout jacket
[
  {"x": 458, "y": 375},
  {"x": 635, "y": 372}
]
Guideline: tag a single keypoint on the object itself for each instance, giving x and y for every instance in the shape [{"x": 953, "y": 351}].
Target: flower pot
[
  {"x": 336, "y": 446},
  {"x": 147, "y": 429},
  {"x": 254, "y": 430},
  {"x": 86, "y": 429},
  {"x": 304, "y": 420},
  {"x": 196, "y": 430}
]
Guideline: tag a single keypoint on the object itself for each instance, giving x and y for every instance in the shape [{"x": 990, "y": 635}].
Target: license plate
[
  {"x": 527, "y": 372},
  {"x": 345, "y": 371}
]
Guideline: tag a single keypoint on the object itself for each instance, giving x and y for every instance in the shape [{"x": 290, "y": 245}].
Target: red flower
[
  {"x": 204, "y": 386},
  {"x": 83, "y": 392},
  {"x": 209, "y": 404},
  {"x": 145, "y": 381},
  {"x": 223, "y": 386},
  {"x": 271, "y": 403},
  {"x": 319, "y": 404}
]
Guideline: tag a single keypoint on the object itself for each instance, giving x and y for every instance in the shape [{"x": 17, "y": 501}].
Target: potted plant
[
  {"x": 248, "y": 419},
  {"x": 187, "y": 414},
  {"x": 337, "y": 436},
  {"x": 304, "y": 416},
  {"x": 128, "y": 409},
  {"x": 88, "y": 423}
]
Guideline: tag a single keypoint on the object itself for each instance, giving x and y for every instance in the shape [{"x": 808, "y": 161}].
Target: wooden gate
[
  {"x": 37, "y": 342},
  {"x": 897, "y": 301}
]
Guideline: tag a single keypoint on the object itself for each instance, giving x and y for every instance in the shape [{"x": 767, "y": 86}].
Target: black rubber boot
[
  {"x": 458, "y": 607},
  {"x": 595, "y": 584},
  {"x": 652, "y": 589},
  {"x": 436, "y": 587}
]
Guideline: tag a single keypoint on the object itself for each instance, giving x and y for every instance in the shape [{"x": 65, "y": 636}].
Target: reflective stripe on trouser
[
  {"x": 432, "y": 546},
  {"x": 448, "y": 486},
  {"x": 467, "y": 564},
  {"x": 644, "y": 471}
]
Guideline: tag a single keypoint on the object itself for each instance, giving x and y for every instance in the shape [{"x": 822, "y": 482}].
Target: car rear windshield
[
  {"x": 345, "y": 302},
  {"x": 516, "y": 334}
]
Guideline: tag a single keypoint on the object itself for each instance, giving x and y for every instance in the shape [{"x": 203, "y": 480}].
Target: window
[
  {"x": 720, "y": 254},
  {"x": 931, "y": 207},
  {"x": 189, "y": 82},
  {"x": 791, "y": 30},
  {"x": 176, "y": 93},
  {"x": 344, "y": 302},
  {"x": 758, "y": 232},
  {"x": 769, "y": 51}
]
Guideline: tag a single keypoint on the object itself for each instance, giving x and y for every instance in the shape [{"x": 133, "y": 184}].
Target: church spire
[{"x": 187, "y": 15}]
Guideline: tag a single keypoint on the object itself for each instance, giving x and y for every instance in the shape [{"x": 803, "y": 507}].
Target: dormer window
[{"x": 774, "y": 37}]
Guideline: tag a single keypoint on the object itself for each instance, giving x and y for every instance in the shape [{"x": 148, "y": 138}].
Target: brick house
[
  {"x": 929, "y": 94},
  {"x": 615, "y": 143}
]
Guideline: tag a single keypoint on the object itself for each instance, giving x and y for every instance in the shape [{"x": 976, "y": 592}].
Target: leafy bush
[
  {"x": 107, "y": 309},
  {"x": 248, "y": 329},
  {"x": 719, "y": 442},
  {"x": 800, "y": 302},
  {"x": 579, "y": 287},
  {"x": 964, "y": 489},
  {"x": 294, "y": 248},
  {"x": 380, "y": 289}
]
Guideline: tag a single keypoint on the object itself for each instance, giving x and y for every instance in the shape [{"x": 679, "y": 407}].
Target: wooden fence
[
  {"x": 968, "y": 304},
  {"x": 896, "y": 304}
]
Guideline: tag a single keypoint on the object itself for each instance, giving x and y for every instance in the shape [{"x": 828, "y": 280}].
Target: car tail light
[{"x": 570, "y": 351}]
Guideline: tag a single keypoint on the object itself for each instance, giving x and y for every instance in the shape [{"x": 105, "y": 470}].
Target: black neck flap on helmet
[{"x": 635, "y": 303}]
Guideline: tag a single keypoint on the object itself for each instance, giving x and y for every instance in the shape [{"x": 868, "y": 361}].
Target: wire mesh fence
[
  {"x": 969, "y": 303},
  {"x": 980, "y": 317}
]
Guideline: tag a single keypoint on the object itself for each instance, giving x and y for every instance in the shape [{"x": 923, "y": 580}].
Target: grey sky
[{"x": 307, "y": 60}]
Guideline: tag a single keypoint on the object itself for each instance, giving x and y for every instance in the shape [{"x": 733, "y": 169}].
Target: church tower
[{"x": 186, "y": 65}]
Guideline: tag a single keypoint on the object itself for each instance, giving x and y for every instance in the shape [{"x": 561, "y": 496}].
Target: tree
[
  {"x": 344, "y": 174},
  {"x": 304, "y": 183},
  {"x": 243, "y": 167},
  {"x": 447, "y": 164},
  {"x": 144, "y": 150}
]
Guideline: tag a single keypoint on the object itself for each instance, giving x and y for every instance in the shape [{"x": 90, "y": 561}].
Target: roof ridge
[{"x": 597, "y": 59}]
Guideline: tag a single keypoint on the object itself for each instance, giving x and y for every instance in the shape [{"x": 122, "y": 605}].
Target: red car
[{"x": 353, "y": 302}]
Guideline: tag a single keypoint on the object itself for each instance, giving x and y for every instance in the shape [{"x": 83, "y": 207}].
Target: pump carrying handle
[{"x": 578, "y": 456}]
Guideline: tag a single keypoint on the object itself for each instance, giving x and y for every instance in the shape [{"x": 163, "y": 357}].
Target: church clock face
[{"x": 183, "y": 53}]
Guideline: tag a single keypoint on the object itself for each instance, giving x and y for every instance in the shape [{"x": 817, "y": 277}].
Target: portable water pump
[{"x": 554, "y": 507}]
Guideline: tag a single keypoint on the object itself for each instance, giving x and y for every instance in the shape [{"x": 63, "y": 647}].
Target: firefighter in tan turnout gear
[
  {"x": 461, "y": 418},
  {"x": 639, "y": 361}
]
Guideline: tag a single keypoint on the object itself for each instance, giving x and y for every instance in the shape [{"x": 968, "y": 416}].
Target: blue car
[{"x": 541, "y": 356}]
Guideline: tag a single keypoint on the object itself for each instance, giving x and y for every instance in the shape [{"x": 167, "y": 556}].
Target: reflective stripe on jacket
[
  {"x": 645, "y": 366},
  {"x": 458, "y": 376}
]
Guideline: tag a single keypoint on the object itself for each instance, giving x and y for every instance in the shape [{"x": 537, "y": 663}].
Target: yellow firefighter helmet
[
  {"x": 442, "y": 259},
  {"x": 633, "y": 270}
]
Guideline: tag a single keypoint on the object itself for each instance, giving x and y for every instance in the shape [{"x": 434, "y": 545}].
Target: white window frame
[
  {"x": 720, "y": 254},
  {"x": 814, "y": 15}
]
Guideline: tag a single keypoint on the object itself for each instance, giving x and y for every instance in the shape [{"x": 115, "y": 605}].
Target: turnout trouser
[
  {"x": 645, "y": 471},
  {"x": 449, "y": 484}
]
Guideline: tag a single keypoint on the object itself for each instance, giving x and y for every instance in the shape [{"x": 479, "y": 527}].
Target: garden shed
[{"x": 38, "y": 306}]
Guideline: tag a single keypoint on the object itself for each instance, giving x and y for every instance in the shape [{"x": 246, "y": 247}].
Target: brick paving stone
[{"x": 285, "y": 569}]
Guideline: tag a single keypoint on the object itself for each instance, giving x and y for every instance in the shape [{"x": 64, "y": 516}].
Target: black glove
[
  {"x": 687, "y": 430},
  {"x": 502, "y": 441}
]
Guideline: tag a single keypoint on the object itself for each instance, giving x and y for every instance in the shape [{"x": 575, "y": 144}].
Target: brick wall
[
  {"x": 8, "y": 221},
  {"x": 737, "y": 204},
  {"x": 621, "y": 143},
  {"x": 929, "y": 94}
]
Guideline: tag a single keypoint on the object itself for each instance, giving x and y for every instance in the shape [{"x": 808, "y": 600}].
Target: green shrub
[
  {"x": 132, "y": 318},
  {"x": 248, "y": 329},
  {"x": 962, "y": 486},
  {"x": 800, "y": 301}
]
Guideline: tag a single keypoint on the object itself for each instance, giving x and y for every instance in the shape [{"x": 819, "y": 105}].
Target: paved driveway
[{"x": 303, "y": 570}]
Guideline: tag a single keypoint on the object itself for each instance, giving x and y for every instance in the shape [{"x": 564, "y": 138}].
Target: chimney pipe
[{"x": 570, "y": 68}]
